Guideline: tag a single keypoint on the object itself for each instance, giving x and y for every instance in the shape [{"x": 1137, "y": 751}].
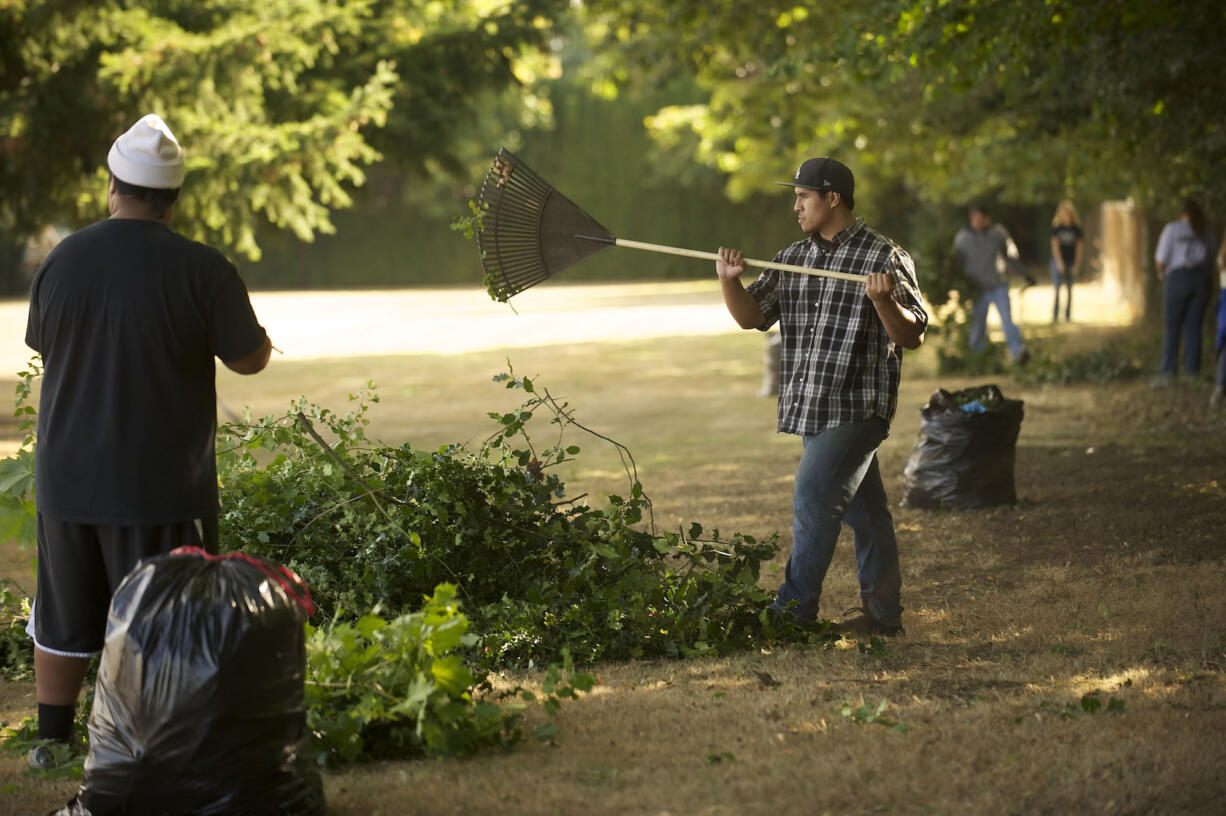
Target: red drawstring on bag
[{"x": 285, "y": 577}]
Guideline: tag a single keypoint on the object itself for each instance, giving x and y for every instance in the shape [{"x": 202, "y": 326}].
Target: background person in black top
[
  {"x": 1066, "y": 254},
  {"x": 128, "y": 316}
]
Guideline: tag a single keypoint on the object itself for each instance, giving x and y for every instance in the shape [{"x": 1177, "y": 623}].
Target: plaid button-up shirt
[{"x": 838, "y": 365}]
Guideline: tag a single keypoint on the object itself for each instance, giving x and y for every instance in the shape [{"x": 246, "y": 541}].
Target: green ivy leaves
[
  {"x": 400, "y": 688},
  {"x": 17, "y": 509},
  {"x": 397, "y": 688},
  {"x": 370, "y": 525}
]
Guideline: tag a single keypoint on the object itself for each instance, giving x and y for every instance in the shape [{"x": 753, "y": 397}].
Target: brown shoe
[{"x": 864, "y": 625}]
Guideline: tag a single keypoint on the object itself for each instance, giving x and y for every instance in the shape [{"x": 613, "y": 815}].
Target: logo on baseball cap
[{"x": 827, "y": 175}]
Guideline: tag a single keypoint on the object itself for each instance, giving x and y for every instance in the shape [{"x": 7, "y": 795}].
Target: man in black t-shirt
[{"x": 128, "y": 316}]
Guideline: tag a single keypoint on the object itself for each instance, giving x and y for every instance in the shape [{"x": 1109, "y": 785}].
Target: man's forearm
[
  {"x": 901, "y": 325},
  {"x": 742, "y": 305}
]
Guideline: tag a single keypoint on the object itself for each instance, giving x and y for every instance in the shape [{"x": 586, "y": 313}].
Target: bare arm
[
  {"x": 1055, "y": 253},
  {"x": 741, "y": 305},
  {"x": 254, "y": 362},
  {"x": 901, "y": 325}
]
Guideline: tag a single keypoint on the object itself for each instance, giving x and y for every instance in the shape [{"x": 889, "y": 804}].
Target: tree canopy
[
  {"x": 1030, "y": 101},
  {"x": 283, "y": 105},
  {"x": 280, "y": 104}
]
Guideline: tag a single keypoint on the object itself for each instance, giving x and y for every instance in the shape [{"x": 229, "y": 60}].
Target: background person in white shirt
[{"x": 1183, "y": 262}]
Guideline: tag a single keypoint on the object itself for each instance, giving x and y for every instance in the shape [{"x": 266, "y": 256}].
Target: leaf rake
[{"x": 530, "y": 232}]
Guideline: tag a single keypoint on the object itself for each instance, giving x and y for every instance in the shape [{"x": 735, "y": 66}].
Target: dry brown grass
[{"x": 1107, "y": 576}]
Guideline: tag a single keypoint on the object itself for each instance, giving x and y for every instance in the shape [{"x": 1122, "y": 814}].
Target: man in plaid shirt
[{"x": 840, "y": 368}]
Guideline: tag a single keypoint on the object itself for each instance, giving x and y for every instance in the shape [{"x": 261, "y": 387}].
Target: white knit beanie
[{"x": 148, "y": 155}]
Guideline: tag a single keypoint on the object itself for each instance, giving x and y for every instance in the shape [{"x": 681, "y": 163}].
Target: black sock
[{"x": 55, "y": 721}]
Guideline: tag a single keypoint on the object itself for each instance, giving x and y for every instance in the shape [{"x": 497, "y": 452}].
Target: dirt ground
[{"x": 1107, "y": 578}]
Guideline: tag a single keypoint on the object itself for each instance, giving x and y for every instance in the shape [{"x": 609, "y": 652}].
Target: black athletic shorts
[{"x": 81, "y": 565}]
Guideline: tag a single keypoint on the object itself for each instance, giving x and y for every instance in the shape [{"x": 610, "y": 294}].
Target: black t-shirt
[
  {"x": 1067, "y": 236},
  {"x": 128, "y": 315}
]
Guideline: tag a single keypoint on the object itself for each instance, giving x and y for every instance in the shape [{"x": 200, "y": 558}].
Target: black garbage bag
[
  {"x": 963, "y": 459},
  {"x": 198, "y": 707}
]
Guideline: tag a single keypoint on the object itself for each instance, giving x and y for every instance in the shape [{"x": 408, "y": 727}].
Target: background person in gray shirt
[{"x": 987, "y": 253}]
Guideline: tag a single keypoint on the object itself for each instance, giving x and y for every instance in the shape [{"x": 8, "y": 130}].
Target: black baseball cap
[{"x": 827, "y": 175}]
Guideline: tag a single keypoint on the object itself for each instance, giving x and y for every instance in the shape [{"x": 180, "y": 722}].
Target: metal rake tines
[
  {"x": 513, "y": 198},
  {"x": 528, "y": 228}
]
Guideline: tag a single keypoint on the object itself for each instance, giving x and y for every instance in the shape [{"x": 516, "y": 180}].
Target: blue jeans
[
  {"x": 838, "y": 481},
  {"x": 1058, "y": 279},
  {"x": 998, "y": 296},
  {"x": 1185, "y": 297}
]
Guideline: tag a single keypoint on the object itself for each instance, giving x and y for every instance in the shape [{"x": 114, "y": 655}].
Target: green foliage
[
  {"x": 875, "y": 647},
  {"x": 16, "y": 648},
  {"x": 1123, "y": 108},
  {"x": 954, "y": 100},
  {"x": 398, "y": 233},
  {"x": 372, "y": 527},
  {"x": 400, "y": 688},
  {"x": 375, "y": 688},
  {"x": 367, "y": 525},
  {"x": 1092, "y": 703},
  {"x": 70, "y": 756},
  {"x": 1112, "y": 362},
  {"x": 284, "y": 105},
  {"x": 870, "y": 714},
  {"x": 17, "y": 510},
  {"x": 470, "y": 225},
  {"x": 280, "y": 104},
  {"x": 1109, "y": 363},
  {"x": 1089, "y": 705}
]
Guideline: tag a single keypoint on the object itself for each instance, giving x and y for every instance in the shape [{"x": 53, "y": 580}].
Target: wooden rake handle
[{"x": 712, "y": 256}]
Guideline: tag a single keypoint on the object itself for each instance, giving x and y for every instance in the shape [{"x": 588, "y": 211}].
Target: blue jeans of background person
[
  {"x": 998, "y": 296},
  {"x": 1221, "y": 340},
  {"x": 838, "y": 481},
  {"x": 1059, "y": 279},
  {"x": 1185, "y": 297}
]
